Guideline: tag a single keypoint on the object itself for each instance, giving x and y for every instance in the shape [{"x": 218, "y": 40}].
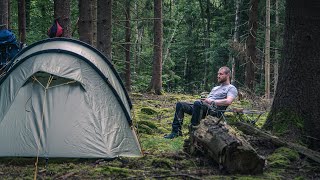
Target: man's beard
[{"x": 221, "y": 81}]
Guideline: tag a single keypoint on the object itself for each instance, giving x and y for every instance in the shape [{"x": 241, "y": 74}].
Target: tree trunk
[
  {"x": 4, "y": 14},
  {"x": 276, "y": 52},
  {"x": 167, "y": 50},
  {"x": 28, "y": 7},
  {"x": 295, "y": 110},
  {"x": 225, "y": 146},
  {"x": 267, "y": 52},
  {"x": 207, "y": 45},
  {"x": 139, "y": 32},
  {"x": 127, "y": 47},
  {"x": 251, "y": 43},
  {"x": 9, "y": 15},
  {"x": 173, "y": 34},
  {"x": 85, "y": 21},
  {"x": 62, "y": 13},
  {"x": 156, "y": 81},
  {"x": 94, "y": 22},
  {"x": 22, "y": 20},
  {"x": 104, "y": 27},
  {"x": 235, "y": 40}
]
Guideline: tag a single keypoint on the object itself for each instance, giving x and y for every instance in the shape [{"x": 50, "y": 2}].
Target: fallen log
[
  {"x": 225, "y": 146},
  {"x": 251, "y": 130}
]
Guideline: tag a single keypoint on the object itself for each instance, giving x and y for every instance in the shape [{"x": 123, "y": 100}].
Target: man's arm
[{"x": 221, "y": 102}]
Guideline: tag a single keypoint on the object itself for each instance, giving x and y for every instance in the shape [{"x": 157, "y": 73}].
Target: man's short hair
[{"x": 225, "y": 69}]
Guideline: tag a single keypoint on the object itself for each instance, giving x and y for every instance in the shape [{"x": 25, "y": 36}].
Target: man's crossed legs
[{"x": 198, "y": 111}]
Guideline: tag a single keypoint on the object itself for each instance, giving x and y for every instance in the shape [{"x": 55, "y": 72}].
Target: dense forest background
[{"x": 198, "y": 38}]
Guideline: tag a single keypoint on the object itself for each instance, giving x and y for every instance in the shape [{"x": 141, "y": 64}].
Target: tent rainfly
[{"x": 62, "y": 98}]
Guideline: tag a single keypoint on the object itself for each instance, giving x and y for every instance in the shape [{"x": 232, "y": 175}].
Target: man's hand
[{"x": 208, "y": 101}]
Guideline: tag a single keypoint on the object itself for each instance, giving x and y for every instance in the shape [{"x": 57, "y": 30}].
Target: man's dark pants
[{"x": 197, "y": 110}]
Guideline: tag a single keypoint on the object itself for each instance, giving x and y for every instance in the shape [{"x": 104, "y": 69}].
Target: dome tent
[{"x": 63, "y": 98}]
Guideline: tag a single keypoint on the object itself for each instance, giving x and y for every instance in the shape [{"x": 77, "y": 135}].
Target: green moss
[
  {"x": 158, "y": 144},
  {"x": 148, "y": 123},
  {"x": 292, "y": 155},
  {"x": 230, "y": 118},
  {"x": 299, "y": 178},
  {"x": 165, "y": 110},
  {"x": 148, "y": 111},
  {"x": 244, "y": 103},
  {"x": 114, "y": 171},
  {"x": 286, "y": 120},
  {"x": 161, "y": 163},
  {"x": 275, "y": 174},
  {"x": 262, "y": 120},
  {"x": 282, "y": 157},
  {"x": 146, "y": 127},
  {"x": 136, "y": 95},
  {"x": 162, "y": 130},
  {"x": 142, "y": 128}
]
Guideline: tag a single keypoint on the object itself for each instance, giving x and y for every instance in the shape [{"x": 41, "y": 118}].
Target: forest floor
[{"x": 163, "y": 158}]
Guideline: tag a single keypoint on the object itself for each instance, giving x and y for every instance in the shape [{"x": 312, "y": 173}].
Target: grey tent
[{"x": 62, "y": 98}]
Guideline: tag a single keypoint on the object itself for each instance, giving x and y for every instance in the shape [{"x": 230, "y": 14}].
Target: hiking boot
[{"x": 172, "y": 135}]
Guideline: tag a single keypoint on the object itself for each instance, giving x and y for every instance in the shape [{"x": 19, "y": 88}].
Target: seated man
[{"x": 220, "y": 98}]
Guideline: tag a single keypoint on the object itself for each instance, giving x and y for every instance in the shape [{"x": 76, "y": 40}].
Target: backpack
[
  {"x": 55, "y": 30},
  {"x": 9, "y": 46}
]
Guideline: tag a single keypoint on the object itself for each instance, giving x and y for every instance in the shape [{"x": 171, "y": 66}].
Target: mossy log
[{"x": 225, "y": 146}]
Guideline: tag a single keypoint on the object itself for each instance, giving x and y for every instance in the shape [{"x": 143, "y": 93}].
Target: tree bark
[
  {"x": 226, "y": 147},
  {"x": 235, "y": 40},
  {"x": 251, "y": 43},
  {"x": 206, "y": 15},
  {"x": 174, "y": 31},
  {"x": 62, "y": 13},
  {"x": 28, "y": 7},
  {"x": 156, "y": 80},
  {"x": 267, "y": 52},
  {"x": 207, "y": 45},
  {"x": 139, "y": 32},
  {"x": 9, "y": 15},
  {"x": 276, "y": 52},
  {"x": 22, "y": 20},
  {"x": 85, "y": 21},
  {"x": 127, "y": 47},
  {"x": 4, "y": 14},
  {"x": 104, "y": 27},
  {"x": 94, "y": 22},
  {"x": 295, "y": 110}
]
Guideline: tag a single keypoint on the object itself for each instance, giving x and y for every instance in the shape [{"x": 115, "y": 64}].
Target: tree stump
[{"x": 225, "y": 146}]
